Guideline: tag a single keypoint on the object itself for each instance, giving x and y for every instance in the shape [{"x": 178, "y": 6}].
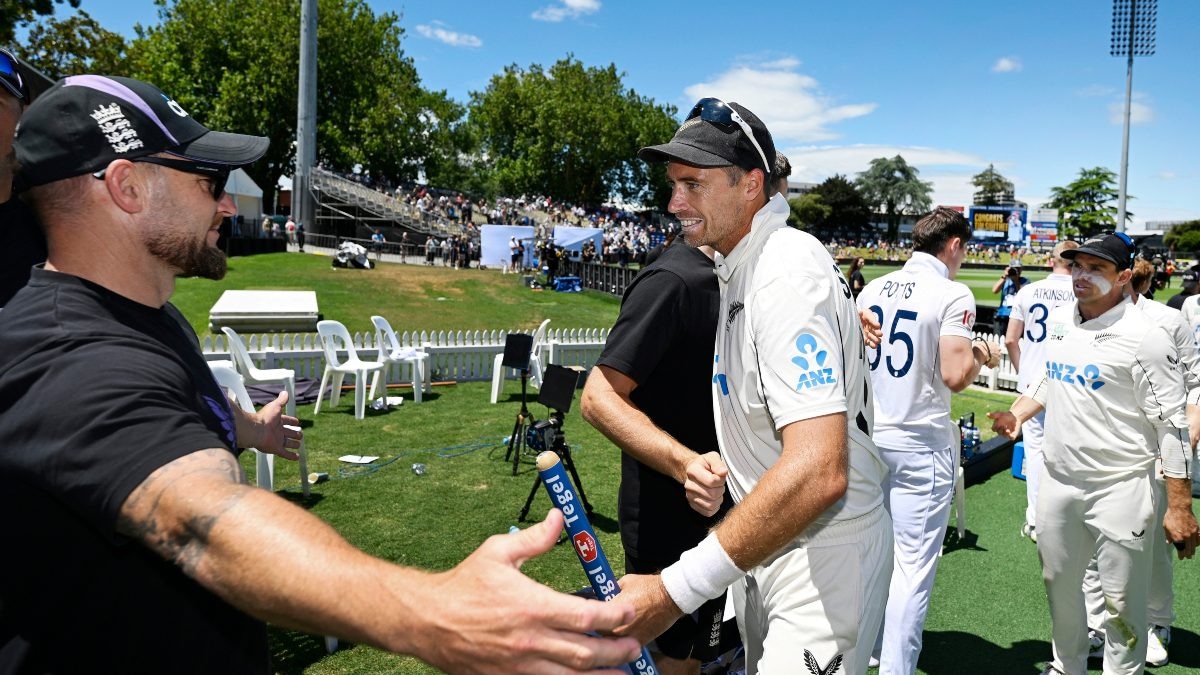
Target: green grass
[
  {"x": 988, "y": 612},
  {"x": 410, "y": 296}
]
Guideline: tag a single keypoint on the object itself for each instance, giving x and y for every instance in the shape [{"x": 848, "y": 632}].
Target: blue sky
[{"x": 1027, "y": 85}]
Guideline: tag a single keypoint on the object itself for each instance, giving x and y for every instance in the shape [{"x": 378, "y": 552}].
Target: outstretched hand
[
  {"x": 872, "y": 331},
  {"x": 269, "y": 430},
  {"x": 496, "y": 620},
  {"x": 1005, "y": 423}
]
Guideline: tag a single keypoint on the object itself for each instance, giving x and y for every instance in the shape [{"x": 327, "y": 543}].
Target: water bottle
[{"x": 975, "y": 439}]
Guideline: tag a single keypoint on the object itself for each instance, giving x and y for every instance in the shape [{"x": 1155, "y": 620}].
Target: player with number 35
[{"x": 927, "y": 352}]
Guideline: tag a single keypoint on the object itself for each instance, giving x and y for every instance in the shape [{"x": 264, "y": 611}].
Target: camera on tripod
[{"x": 545, "y": 435}]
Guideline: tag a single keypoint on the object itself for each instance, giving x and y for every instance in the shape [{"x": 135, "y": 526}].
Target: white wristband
[{"x": 702, "y": 573}]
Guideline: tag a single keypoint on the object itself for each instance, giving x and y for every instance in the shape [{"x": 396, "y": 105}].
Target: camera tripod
[
  {"x": 516, "y": 442},
  {"x": 556, "y": 443}
]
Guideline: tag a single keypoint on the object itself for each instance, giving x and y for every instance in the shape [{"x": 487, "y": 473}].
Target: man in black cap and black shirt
[
  {"x": 807, "y": 551},
  {"x": 22, "y": 244},
  {"x": 1191, "y": 280},
  {"x": 138, "y": 547}
]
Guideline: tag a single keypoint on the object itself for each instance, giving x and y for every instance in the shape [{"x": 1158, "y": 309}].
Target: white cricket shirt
[
  {"x": 1033, "y": 305},
  {"x": 789, "y": 347},
  {"x": 916, "y": 305},
  {"x": 1114, "y": 400},
  {"x": 1181, "y": 334}
]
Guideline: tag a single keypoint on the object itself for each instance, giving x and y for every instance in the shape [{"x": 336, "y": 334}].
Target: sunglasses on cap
[
  {"x": 218, "y": 176},
  {"x": 10, "y": 77},
  {"x": 718, "y": 112}
]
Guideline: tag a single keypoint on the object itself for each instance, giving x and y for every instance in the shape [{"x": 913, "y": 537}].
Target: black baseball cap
[
  {"x": 1116, "y": 248},
  {"x": 1191, "y": 276},
  {"x": 84, "y": 122},
  {"x": 711, "y": 136}
]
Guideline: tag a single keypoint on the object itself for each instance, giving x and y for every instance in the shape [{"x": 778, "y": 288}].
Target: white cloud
[
  {"x": 1095, "y": 90},
  {"x": 1167, "y": 175},
  {"x": 789, "y": 103},
  {"x": 1007, "y": 64},
  {"x": 567, "y": 9},
  {"x": 1139, "y": 113},
  {"x": 452, "y": 38}
]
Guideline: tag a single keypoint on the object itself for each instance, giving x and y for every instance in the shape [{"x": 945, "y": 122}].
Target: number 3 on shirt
[{"x": 896, "y": 334}]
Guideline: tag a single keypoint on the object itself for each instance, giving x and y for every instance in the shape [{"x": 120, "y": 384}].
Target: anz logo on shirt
[
  {"x": 812, "y": 360},
  {"x": 1088, "y": 376}
]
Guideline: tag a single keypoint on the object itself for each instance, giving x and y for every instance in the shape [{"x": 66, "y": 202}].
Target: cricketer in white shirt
[
  {"x": 1114, "y": 400},
  {"x": 926, "y": 353},
  {"x": 1026, "y": 342}
]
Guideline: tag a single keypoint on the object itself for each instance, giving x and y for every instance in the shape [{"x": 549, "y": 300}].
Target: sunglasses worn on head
[
  {"x": 10, "y": 77},
  {"x": 217, "y": 175},
  {"x": 718, "y": 112}
]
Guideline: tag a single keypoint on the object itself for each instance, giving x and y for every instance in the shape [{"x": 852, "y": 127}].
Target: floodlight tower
[
  {"x": 303, "y": 208},
  {"x": 1133, "y": 34}
]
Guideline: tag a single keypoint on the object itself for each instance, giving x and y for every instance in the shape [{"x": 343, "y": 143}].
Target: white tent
[{"x": 247, "y": 196}]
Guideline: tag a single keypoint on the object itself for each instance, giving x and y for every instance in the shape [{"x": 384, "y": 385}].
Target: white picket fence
[
  {"x": 453, "y": 355},
  {"x": 470, "y": 355}
]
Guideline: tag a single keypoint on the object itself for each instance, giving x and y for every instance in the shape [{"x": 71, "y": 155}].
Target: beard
[{"x": 192, "y": 257}]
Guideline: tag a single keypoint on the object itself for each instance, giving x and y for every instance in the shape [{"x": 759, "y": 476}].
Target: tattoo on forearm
[{"x": 178, "y": 526}]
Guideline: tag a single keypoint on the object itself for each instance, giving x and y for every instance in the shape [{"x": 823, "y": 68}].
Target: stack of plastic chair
[
  {"x": 252, "y": 374},
  {"x": 535, "y": 363},
  {"x": 334, "y": 339},
  {"x": 391, "y": 352}
]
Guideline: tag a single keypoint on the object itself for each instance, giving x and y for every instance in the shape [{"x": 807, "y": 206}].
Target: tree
[
  {"x": 234, "y": 65},
  {"x": 14, "y": 13},
  {"x": 1088, "y": 205},
  {"x": 848, "y": 211},
  {"x": 891, "y": 184},
  {"x": 992, "y": 189},
  {"x": 571, "y": 132},
  {"x": 75, "y": 45},
  {"x": 1184, "y": 238},
  {"x": 807, "y": 210}
]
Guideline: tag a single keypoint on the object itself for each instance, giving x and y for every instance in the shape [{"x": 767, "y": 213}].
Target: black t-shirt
[
  {"x": 663, "y": 340},
  {"x": 97, "y": 392},
  {"x": 22, "y": 245},
  {"x": 1176, "y": 301}
]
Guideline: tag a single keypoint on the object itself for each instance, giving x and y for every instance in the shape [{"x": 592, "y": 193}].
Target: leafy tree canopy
[
  {"x": 807, "y": 210},
  {"x": 234, "y": 66},
  {"x": 571, "y": 132},
  {"x": 18, "y": 13},
  {"x": 1088, "y": 205},
  {"x": 75, "y": 45},
  {"x": 892, "y": 186},
  {"x": 1184, "y": 238},
  {"x": 991, "y": 188},
  {"x": 848, "y": 211}
]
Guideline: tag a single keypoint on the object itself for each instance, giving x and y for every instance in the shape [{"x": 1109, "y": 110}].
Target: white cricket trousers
[
  {"x": 1033, "y": 431},
  {"x": 1160, "y": 605},
  {"x": 818, "y": 601},
  {"x": 918, "y": 494},
  {"x": 1116, "y": 523}
]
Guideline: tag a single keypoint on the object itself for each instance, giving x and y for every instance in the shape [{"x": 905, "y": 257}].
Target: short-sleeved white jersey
[
  {"x": 916, "y": 305},
  {"x": 1114, "y": 397},
  {"x": 1033, "y": 305},
  {"x": 789, "y": 347}
]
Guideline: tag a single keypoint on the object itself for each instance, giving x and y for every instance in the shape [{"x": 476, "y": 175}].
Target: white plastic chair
[
  {"x": 335, "y": 338},
  {"x": 390, "y": 352},
  {"x": 229, "y": 379},
  {"x": 535, "y": 364},
  {"x": 252, "y": 374}
]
